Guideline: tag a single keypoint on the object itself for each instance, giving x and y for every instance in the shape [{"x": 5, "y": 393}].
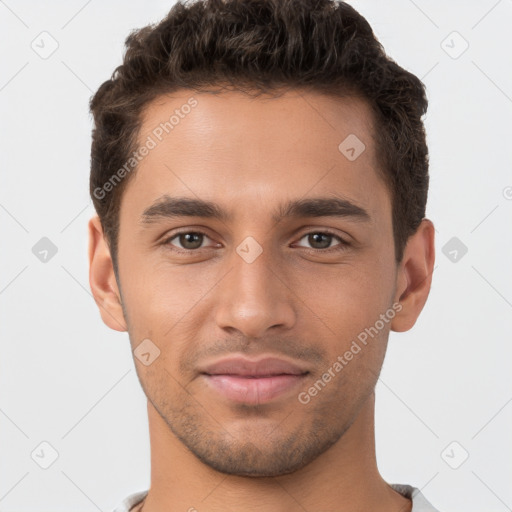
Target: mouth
[{"x": 241, "y": 380}]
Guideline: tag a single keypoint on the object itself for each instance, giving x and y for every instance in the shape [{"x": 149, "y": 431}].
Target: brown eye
[
  {"x": 191, "y": 240},
  {"x": 321, "y": 240},
  {"x": 188, "y": 241}
]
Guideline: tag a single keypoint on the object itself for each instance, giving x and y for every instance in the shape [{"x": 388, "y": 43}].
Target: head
[{"x": 260, "y": 174}]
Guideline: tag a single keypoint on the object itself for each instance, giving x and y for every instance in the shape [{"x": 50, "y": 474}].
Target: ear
[
  {"x": 102, "y": 279},
  {"x": 414, "y": 276}
]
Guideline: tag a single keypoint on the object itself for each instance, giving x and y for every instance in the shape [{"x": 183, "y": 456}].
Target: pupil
[
  {"x": 314, "y": 239},
  {"x": 191, "y": 240}
]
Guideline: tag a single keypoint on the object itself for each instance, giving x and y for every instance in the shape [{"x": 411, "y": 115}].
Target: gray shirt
[{"x": 419, "y": 502}]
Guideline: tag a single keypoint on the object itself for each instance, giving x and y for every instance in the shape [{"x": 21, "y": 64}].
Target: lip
[
  {"x": 245, "y": 367},
  {"x": 248, "y": 381}
]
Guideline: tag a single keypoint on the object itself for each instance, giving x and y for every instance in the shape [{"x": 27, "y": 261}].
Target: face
[{"x": 258, "y": 294}]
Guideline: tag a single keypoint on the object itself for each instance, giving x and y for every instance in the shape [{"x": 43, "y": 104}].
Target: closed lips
[{"x": 241, "y": 367}]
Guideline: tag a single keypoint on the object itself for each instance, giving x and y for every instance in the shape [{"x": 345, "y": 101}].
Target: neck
[{"x": 344, "y": 478}]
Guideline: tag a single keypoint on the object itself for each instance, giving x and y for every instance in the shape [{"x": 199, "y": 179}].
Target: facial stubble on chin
[{"x": 279, "y": 451}]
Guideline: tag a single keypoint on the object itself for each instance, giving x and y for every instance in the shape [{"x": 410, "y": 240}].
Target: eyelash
[{"x": 340, "y": 247}]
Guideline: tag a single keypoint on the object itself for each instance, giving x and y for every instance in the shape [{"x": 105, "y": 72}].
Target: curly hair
[{"x": 263, "y": 46}]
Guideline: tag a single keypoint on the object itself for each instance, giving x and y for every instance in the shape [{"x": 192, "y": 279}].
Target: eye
[
  {"x": 193, "y": 240},
  {"x": 321, "y": 240},
  {"x": 187, "y": 240}
]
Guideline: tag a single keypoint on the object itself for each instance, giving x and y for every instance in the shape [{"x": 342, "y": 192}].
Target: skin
[{"x": 294, "y": 301}]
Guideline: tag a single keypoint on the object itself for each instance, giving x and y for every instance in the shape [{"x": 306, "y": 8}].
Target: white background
[{"x": 70, "y": 381}]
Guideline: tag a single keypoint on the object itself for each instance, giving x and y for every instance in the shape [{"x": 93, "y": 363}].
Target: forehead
[
  {"x": 230, "y": 147},
  {"x": 206, "y": 121}
]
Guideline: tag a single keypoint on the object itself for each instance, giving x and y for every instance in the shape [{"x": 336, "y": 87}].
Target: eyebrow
[{"x": 174, "y": 207}]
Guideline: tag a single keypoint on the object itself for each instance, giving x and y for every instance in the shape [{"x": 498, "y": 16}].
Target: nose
[{"x": 254, "y": 298}]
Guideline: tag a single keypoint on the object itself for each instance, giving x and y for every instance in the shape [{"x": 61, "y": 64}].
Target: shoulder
[
  {"x": 130, "y": 504},
  {"x": 419, "y": 502}
]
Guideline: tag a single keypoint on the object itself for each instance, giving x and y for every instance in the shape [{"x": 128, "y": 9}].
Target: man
[{"x": 260, "y": 174}]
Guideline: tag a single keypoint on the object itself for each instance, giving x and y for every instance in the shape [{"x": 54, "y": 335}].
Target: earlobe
[
  {"x": 102, "y": 279},
  {"x": 414, "y": 276}
]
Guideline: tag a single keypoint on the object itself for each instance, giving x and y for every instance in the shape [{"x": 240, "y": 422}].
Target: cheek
[
  {"x": 347, "y": 308},
  {"x": 347, "y": 297},
  {"x": 157, "y": 290}
]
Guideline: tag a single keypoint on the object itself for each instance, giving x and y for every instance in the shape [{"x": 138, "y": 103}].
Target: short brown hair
[{"x": 264, "y": 45}]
